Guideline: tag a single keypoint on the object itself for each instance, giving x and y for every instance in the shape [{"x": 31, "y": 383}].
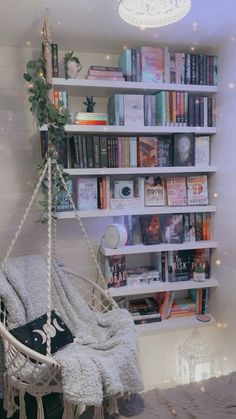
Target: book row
[
  {"x": 87, "y": 151},
  {"x": 162, "y": 109},
  {"x": 166, "y": 305},
  {"x": 173, "y": 266},
  {"x": 160, "y": 65}
]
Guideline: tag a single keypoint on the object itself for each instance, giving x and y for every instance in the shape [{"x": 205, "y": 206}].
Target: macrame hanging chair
[{"x": 19, "y": 357}]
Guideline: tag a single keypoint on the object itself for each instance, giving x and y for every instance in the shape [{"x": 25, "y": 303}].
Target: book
[
  {"x": 150, "y": 229},
  {"x": 186, "y": 228},
  {"x": 61, "y": 149},
  {"x": 147, "y": 319},
  {"x": 87, "y": 193},
  {"x": 154, "y": 191},
  {"x": 133, "y": 110},
  {"x": 115, "y": 271},
  {"x": 143, "y": 306},
  {"x": 179, "y": 265},
  {"x": 201, "y": 258},
  {"x": 176, "y": 191},
  {"x": 55, "y": 66},
  {"x": 184, "y": 150},
  {"x": 164, "y": 151},
  {"x": 152, "y": 64},
  {"x": 202, "y": 150},
  {"x": 172, "y": 228},
  {"x": 147, "y": 151},
  {"x": 197, "y": 190},
  {"x": 63, "y": 201}
]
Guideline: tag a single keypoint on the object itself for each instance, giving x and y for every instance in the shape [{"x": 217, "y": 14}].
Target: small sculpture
[{"x": 89, "y": 104}]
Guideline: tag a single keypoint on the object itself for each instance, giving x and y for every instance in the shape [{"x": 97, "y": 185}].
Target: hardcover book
[
  {"x": 152, "y": 64},
  {"x": 154, "y": 192},
  {"x": 176, "y": 191},
  {"x": 150, "y": 229},
  {"x": 133, "y": 110},
  {"x": 197, "y": 190},
  {"x": 172, "y": 228},
  {"x": 63, "y": 201},
  {"x": 164, "y": 151},
  {"x": 147, "y": 151},
  {"x": 87, "y": 193},
  {"x": 184, "y": 150}
]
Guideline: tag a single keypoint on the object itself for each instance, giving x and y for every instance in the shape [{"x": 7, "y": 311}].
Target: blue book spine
[{"x": 121, "y": 110}]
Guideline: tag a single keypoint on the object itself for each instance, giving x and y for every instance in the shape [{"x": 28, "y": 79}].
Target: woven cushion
[{"x": 33, "y": 334}]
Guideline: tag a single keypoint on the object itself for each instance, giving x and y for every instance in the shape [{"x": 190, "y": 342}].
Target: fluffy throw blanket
[{"x": 103, "y": 360}]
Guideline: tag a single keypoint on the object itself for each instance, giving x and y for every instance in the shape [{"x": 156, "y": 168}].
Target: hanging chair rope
[{"x": 49, "y": 258}]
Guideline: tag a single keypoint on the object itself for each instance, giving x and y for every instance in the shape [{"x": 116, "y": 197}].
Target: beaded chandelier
[{"x": 153, "y": 13}]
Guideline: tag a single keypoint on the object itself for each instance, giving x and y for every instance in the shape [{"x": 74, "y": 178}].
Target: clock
[{"x": 116, "y": 235}]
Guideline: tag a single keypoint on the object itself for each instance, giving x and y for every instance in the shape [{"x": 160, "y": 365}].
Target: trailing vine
[{"x": 55, "y": 118}]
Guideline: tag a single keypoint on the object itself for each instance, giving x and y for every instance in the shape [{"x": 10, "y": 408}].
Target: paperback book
[
  {"x": 115, "y": 271},
  {"x": 184, "y": 150},
  {"x": 172, "y": 228},
  {"x": 133, "y": 110},
  {"x": 147, "y": 151},
  {"x": 154, "y": 192},
  {"x": 197, "y": 190},
  {"x": 152, "y": 64},
  {"x": 179, "y": 265},
  {"x": 164, "y": 151},
  {"x": 87, "y": 193},
  {"x": 202, "y": 151},
  {"x": 176, "y": 191},
  {"x": 150, "y": 229},
  {"x": 63, "y": 201}
]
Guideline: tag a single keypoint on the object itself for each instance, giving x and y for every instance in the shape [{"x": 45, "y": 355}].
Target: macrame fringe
[
  {"x": 9, "y": 403},
  {"x": 98, "y": 412},
  {"x": 112, "y": 406},
  {"x": 22, "y": 404},
  {"x": 127, "y": 395},
  {"x": 69, "y": 410},
  {"x": 40, "y": 409}
]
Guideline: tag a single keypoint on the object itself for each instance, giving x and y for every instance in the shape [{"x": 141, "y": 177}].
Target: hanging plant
[{"x": 55, "y": 118}]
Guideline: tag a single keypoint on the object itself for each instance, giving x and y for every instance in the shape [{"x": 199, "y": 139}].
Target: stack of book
[
  {"x": 183, "y": 307},
  {"x": 97, "y": 72},
  {"x": 144, "y": 310},
  {"x": 200, "y": 296},
  {"x": 90, "y": 118},
  {"x": 60, "y": 99}
]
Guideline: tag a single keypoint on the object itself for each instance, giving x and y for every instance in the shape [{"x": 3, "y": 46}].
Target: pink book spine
[
  {"x": 105, "y": 73},
  {"x": 105, "y": 78}
]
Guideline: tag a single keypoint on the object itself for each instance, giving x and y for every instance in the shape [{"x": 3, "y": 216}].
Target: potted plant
[
  {"x": 199, "y": 273},
  {"x": 71, "y": 64}
]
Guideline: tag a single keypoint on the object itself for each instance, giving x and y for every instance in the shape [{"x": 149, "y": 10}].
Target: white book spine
[{"x": 133, "y": 151}]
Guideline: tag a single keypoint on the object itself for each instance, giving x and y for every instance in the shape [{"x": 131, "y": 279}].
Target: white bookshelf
[
  {"x": 162, "y": 247},
  {"x": 136, "y": 211},
  {"x": 141, "y": 170},
  {"x": 104, "y": 88},
  {"x": 171, "y": 325},
  {"x": 134, "y": 130},
  {"x": 157, "y": 286}
]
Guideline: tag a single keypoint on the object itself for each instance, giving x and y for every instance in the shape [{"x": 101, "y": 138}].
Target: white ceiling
[{"x": 94, "y": 25}]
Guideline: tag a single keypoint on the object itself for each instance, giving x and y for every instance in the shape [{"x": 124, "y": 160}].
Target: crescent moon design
[
  {"x": 50, "y": 329},
  {"x": 42, "y": 334},
  {"x": 57, "y": 326}
]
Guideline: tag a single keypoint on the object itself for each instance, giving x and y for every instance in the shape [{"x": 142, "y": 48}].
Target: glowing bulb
[
  {"x": 215, "y": 195},
  {"x": 225, "y": 325},
  {"x": 219, "y": 325},
  {"x": 192, "y": 48},
  {"x": 231, "y": 85},
  {"x": 125, "y": 47},
  {"x": 30, "y": 84},
  {"x": 218, "y": 262},
  {"x": 108, "y": 57},
  {"x": 28, "y": 43},
  {"x": 225, "y": 358}
]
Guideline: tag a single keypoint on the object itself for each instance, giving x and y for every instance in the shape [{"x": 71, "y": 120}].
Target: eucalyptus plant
[{"x": 56, "y": 118}]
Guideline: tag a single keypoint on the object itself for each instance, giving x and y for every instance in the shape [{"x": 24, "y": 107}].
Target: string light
[
  {"x": 231, "y": 85},
  {"x": 218, "y": 262},
  {"x": 108, "y": 57},
  {"x": 215, "y": 194}
]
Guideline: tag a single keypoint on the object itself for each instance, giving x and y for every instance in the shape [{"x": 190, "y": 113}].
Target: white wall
[{"x": 20, "y": 151}]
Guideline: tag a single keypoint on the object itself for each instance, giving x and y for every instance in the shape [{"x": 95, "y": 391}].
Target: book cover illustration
[
  {"x": 184, "y": 150},
  {"x": 87, "y": 193},
  {"x": 152, "y": 64},
  {"x": 197, "y": 190},
  {"x": 180, "y": 265},
  {"x": 133, "y": 110},
  {"x": 115, "y": 271},
  {"x": 202, "y": 151},
  {"x": 172, "y": 228},
  {"x": 176, "y": 191},
  {"x": 147, "y": 151},
  {"x": 154, "y": 191},
  {"x": 150, "y": 229},
  {"x": 201, "y": 258},
  {"x": 63, "y": 201},
  {"x": 164, "y": 151}
]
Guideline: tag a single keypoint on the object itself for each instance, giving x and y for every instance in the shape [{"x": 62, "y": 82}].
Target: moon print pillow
[{"x": 33, "y": 334}]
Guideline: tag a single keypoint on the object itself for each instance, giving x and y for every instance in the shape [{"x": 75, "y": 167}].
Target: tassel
[
  {"x": 98, "y": 412},
  {"x": 40, "y": 409},
  {"x": 69, "y": 410},
  {"x": 112, "y": 406},
  {"x": 22, "y": 403},
  {"x": 9, "y": 402},
  {"x": 127, "y": 395}
]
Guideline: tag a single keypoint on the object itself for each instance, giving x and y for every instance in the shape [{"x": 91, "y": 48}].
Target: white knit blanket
[{"x": 103, "y": 361}]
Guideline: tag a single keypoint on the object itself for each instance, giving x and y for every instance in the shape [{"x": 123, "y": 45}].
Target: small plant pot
[
  {"x": 73, "y": 69},
  {"x": 199, "y": 276}
]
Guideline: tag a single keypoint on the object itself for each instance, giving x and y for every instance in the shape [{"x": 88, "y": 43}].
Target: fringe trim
[
  {"x": 127, "y": 395},
  {"x": 98, "y": 412},
  {"x": 69, "y": 411},
  {"x": 9, "y": 401},
  {"x": 40, "y": 409},
  {"x": 112, "y": 406},
  {"x": 22, "y": 403}
]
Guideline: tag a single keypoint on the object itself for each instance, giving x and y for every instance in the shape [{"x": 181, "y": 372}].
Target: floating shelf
[
  {"x": 162, "y": 247},
  {"x": 161, "y": 287},
  {"x": 104, "y": 88},
  {"x": 141, "y": 170},
  {"x": 172, "y": 325},
  {"x": 136, "y": 211},
  {"x": 134, "y": 130}
]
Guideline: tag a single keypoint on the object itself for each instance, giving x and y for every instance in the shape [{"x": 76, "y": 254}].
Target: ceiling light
[{"x": 153, "y": 13}]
